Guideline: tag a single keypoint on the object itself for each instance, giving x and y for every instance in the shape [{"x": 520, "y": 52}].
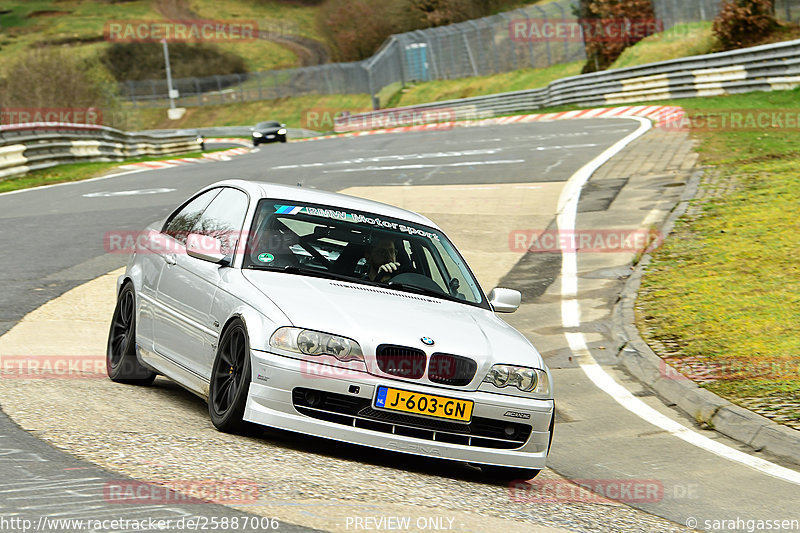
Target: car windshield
[
  {"x": 262, "y": 125},
  {"x": 347, "y": 244}
]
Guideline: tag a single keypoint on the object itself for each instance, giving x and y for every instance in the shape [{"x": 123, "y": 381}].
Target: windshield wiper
[
  {"x": 422, "y": 290},
  {"x": 291, "y": 269}
]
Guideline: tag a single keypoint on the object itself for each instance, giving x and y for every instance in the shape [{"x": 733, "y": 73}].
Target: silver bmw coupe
[{"x": 333, "y": 316}]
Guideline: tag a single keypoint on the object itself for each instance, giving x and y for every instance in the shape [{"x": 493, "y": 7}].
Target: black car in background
[{"x": 268, "y": 132}]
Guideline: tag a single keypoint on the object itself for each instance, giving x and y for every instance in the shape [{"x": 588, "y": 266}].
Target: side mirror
[
  {"x": 206, "y": 248},
  {"x": 505, "y": 300}
]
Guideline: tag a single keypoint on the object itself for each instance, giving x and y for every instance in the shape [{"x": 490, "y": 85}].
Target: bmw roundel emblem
[{"x": 427, "y": 341}]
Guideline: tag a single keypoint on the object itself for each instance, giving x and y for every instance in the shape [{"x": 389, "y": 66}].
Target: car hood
[
  {"x": 268, "y": 130},
  {"x": 374, "y": 315}
]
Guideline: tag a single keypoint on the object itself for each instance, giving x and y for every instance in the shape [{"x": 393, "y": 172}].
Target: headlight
[
  {"x": 310, "y": 342},
  {"x": 531, "y": 380},
  {"x": 282, "y": 132},
  {"x": 200, "y": 140},
  {"x": 257, "y": 134}
]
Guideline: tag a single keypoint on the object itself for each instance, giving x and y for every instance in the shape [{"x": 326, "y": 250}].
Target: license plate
[
  {"x": 423, "y": 404},
  {"x": 270, "y": 136}
]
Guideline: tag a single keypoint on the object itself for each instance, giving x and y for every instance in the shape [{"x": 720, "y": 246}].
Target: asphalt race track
[{"x": 53, "y": 241}]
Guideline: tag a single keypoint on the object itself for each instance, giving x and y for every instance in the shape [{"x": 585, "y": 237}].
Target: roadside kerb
[
  {"x": 223, "y": 155},
  {"x": 705, "y": 407},
  {"x": 662, "y": 115}
]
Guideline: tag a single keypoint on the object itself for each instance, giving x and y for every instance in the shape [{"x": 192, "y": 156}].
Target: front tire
[
  {"x": 122, "y": 365},
  {"x": 230, "y": 379}
]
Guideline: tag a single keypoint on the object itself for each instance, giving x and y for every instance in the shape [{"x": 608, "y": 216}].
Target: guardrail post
[
  {"x": 494, "y": 46},
  {"x": 469, "y": 50},
  {"x": 327, "y": 78},
  {"x": 546, "y": 40},
  {"x": 530, "y": 42},
  {"x": 566, "y": 38},
  {"x": 132, "y": 92}
]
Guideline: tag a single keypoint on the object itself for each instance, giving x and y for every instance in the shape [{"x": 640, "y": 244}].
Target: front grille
[
  {"x": 401, "y": 361},
  {"x": 450, "y": 369},
  {"x": 358, "y": 412}
]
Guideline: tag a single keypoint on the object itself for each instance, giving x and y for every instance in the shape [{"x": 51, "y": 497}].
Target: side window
[
  {"x": 223, "y": 218},
  {"x": 181, "y": 223}
]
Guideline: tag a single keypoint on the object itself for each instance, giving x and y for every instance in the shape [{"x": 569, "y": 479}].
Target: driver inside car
[{"x": 382, "y": 260}]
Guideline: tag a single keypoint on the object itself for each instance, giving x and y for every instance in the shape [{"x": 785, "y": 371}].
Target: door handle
[{"x": 170, "y": 259}]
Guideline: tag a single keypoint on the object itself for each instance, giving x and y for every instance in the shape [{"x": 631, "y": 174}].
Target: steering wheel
[{"x": 417, "y": 280}]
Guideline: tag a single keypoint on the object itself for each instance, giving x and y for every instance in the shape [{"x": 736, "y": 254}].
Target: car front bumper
[
  {"x": 269, "y": 138},
  {"x": 273, "y": 395}
]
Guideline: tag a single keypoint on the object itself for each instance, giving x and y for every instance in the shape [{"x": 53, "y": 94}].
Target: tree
[
  {"x": 610, "y": 26},
  {"x": 742, "y": 23}
]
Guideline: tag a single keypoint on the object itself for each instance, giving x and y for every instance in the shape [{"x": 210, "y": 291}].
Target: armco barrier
[
  {"x": 760, "y": 68},
  {"x": 26, "y": 147}
]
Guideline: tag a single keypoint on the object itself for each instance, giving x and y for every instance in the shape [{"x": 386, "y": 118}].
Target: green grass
[
  {"x": 269, "y": 14},
  {"x": 725, "y": 287},
  {"x": 291, "y": 111},
  {"x": 517, "y": 80},
  {"x": 683, "y": 40},
  {"x": 28, "y": 26},
  {"x": 77, "y": 172}
]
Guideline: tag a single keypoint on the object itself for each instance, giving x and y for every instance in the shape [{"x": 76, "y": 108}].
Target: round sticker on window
[{"x": 266, "y": 258}]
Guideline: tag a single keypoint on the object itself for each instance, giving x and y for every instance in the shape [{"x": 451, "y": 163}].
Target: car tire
[
  {"x": 255, "y": 143},
  {"x": 283, "y": 140},
  {"x": 508, "y": 474},
  {"x": 122, "y": 365},
  {"x": 230, "y": 379}
]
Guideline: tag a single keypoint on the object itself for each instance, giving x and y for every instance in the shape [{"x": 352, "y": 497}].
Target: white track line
[
  {"x": 570, "y": 318},
  {"x": 39, "y": 188}
]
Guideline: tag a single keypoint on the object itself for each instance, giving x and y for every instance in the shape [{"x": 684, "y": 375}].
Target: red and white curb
[
  {"x": 664, "y": 116},
  {"x": 224, "y": 155}
]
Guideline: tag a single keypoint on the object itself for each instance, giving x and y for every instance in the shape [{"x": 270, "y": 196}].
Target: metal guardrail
[
  {"x": 26, "y": 147},
  {"x": 760, "y": 68},
  {"x": 234, "y": 131}
]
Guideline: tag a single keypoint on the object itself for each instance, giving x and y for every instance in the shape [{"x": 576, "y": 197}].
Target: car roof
[{"x": 262, "y": 189}]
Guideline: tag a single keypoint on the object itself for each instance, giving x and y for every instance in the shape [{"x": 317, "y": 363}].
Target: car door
[{"x": 187, "y": 285}]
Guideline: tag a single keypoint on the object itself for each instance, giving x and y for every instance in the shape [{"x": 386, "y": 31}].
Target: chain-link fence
[
  {"x": 673, "y": 12},
  {"x": 532, "y": 37},
  {"x": 788, "y": 10},
  {"x": 473, "y": 48}
]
